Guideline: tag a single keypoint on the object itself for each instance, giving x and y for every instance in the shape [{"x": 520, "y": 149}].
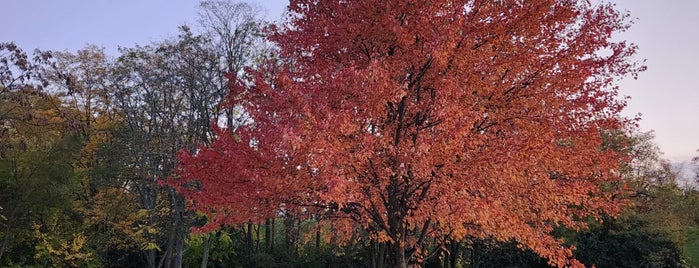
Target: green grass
[{"x": 691, "y": 248}]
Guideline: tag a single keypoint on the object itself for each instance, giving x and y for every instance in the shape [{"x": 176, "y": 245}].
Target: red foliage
[{"x": 431, "y": 118}]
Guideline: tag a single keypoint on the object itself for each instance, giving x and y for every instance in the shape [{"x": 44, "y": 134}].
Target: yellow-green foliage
[{"x": 54, "y": 252}]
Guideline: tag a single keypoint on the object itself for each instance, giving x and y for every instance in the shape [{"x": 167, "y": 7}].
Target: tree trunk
[
  {"x": 291, "y": 234},
  {"x": 399, "y": 251},
  {"x": 475, "y": 254},
  {"x": 248, "y": 238},
  {"x": 5, "y": 240},
  {"x": 148, "y": 196},
  {"x": 10, "y": 218},
  {"x": 179, "y": 229},
  {"x": 399, "y": 254},
  {"x": 318, "y": 236},
  {"x": 271, "y": 241},
  {"x": 179, "y": 246},
  {"x": 205, "y": 255},
  {"x": 257, "y": 237},
  {"x": 229, "y": 120},
  {"x": 454, "y": 253},
  {"x": 268, "y": 235},
  {"x": 378, "y": 254},
  {"x": 166, "y": 258},
  {"x": 150, "y": 258}
]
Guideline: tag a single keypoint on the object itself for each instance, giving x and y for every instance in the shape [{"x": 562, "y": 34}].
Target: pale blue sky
[
  {"x": 667, "y": 94},
  {"x": 667, "y": 32},
  {"x": 71, "y": 24}
]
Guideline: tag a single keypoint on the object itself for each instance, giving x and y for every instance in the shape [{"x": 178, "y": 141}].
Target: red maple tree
[{"x": 415, "y": 119}]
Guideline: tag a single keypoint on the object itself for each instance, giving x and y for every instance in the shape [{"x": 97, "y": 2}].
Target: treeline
[{"x": 87, "y": 141}]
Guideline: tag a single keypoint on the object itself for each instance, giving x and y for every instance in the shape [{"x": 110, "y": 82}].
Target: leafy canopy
[{"x": 427, "y": 119}]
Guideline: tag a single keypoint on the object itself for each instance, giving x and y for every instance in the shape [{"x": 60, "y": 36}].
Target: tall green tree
[
  {"x": 38, "y": 150},
  {"x": 169, "y": 96}
]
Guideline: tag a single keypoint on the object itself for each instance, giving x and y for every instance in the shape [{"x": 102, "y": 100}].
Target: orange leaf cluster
[{"x": 470, "y": 118}]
